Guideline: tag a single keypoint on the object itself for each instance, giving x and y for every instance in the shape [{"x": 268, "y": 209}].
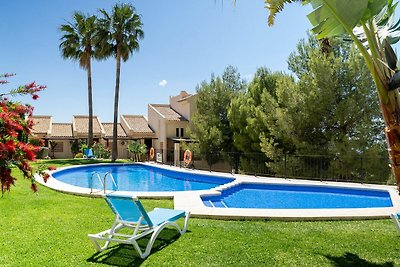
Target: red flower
[
  {"x": 10, "y": 146},
  {"x": 34, "y": 187},
  {"x": 46, "y": 177},
  {"x": 52, "y": 168},
  {"x": 30, "y": 85},
  {"x": 35, "y": 97}
]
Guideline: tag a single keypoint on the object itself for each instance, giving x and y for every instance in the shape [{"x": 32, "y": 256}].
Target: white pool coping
[{"x": 191, "y": 200}]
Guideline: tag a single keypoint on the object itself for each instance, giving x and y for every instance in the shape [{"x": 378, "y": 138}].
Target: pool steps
[
  {"x": 219, "y": 203},
  {"x": 103, "y": 182}
]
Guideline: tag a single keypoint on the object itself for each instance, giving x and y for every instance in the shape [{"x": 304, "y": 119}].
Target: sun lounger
[
  {"x": 131, "y": 214},
  {"x": 88, "y": 153},
  {"x": 396, "y": 220}
]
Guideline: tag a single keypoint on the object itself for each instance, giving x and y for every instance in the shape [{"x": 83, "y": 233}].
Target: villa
[{"x": 164, "y": 128}]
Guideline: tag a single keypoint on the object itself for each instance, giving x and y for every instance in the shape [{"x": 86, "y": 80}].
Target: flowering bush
[
  {"x": 15, "y": 126},
  {"x": 52, "y": 168}
]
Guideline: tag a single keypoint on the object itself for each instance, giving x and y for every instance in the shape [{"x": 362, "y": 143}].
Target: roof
[
  {"x": 41, "y": 124},
  {"x": 137, "y": 123},
  {"x": 168, "y": 113},
  {"x": 80, "y": 124},
  {"x": 108, "y": 128},
  {"x": 186, "y": 97},
  {"x": 61, "y": 130}
]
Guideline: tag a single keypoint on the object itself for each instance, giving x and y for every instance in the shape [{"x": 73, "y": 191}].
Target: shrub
[
  {"x": 79, "y": 155},
  {"x": 43, "y": 153},
  {"x": 100, "y": 151},
  {"x": 15, "y": 126},
  {"x": 35, "y": 141}
]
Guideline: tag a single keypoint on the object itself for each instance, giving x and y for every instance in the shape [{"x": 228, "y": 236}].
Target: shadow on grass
[
  {"x": 351, "y": 260},
  {"x": 126, "y": 255}
]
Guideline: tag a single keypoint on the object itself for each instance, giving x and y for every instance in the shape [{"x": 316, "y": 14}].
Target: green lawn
[{"x": 50, "y": 229}]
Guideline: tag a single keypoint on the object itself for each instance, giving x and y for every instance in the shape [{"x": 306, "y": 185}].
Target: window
[
  {"x": 59, "y": 147},
  {"x": 181, "y": 132},
  {"x": 177, "y": 132}
]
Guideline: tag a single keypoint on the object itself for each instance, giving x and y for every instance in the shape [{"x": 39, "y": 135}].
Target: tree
[
  {"x": 212, "y": 129},
  {"x": 331, "y": 109},
  {"x": 78, "y": 44},
  {"x": 246, "y": 111},
  {"x": 119, "y": 34},
  {"x": 15, "y": 126},
  {"x": 370, "y": 25}
]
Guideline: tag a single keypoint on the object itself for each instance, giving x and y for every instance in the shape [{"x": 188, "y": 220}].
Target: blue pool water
[
  {"x": 279, "y": 196},
  {"x": 136, "y": 177}
]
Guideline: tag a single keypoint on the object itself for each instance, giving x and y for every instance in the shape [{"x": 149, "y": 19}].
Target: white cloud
[
  {"x": 162, "y": 83},
  {"x": 250, "y": 76}
]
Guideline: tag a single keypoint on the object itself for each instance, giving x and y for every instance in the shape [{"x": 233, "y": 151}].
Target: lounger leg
[
  {"x": 395, "y": 221},
  {"x": 115, "y": 228},
  {"x": 157, "y": 232},
  {"x": 137, "y": 248},
  {"x": 96, "y": 244},
  {"x": 153, "y": 239},
  {"x": 187, "y": 213}
]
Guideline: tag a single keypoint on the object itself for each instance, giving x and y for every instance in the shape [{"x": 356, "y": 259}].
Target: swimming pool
[
  {"x": 138, "y": 178},
  {"x": 243, "y": 195},
  {"x": 284, "y": 196}
]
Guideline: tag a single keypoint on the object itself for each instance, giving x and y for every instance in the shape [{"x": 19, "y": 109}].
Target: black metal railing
[{"x": 360, "y": 169}]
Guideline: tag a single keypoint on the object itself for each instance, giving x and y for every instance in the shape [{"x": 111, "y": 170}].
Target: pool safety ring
[
  {"x": 187, "y": 157},
  {"x": 152, "y": 153}
]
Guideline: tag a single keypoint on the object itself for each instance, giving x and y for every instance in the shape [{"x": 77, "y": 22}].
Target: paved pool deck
[{"x": 191, "y": 200}]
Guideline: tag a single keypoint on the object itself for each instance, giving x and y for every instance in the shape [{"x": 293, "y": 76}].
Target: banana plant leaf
[{"x": 337, "y": 17}]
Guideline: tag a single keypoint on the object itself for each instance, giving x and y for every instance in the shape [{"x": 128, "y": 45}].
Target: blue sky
[{"x": 185, "y": 42}]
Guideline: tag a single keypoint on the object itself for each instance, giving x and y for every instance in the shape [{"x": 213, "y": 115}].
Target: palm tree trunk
[
  {"x": 90, "y": 102},
  {"x": 116, "y": 100},
  {"x": 391, "y": 116},
  {"x": 392, "y": 133}
]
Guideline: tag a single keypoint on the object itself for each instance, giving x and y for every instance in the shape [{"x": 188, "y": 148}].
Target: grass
[{"x": 50, "y": 229}]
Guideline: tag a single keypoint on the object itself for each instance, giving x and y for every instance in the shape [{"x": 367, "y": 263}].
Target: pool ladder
[{"x": 102, "y": 181}]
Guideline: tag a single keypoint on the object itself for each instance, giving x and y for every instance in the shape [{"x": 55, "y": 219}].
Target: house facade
[{"x": 165, "y": 126}]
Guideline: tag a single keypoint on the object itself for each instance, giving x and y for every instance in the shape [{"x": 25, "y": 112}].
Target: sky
[{"x": 186, "y": 41}]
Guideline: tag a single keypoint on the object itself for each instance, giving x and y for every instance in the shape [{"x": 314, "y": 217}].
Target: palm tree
[
  {"x": 118, "y": 36},
  {"x": 371, "y": 26},
  {"x": 77, "y": 43}
]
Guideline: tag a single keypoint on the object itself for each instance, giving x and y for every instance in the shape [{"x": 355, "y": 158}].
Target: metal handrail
[
  {"x": 91, "y": 181},
  {"x": 112, "y": 179}
]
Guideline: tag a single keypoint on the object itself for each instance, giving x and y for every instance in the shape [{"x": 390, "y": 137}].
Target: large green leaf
[
  {"x": 387, "y": 28},
  {"x": 336, "y": 17},
  {"x": 374, "y": 7}
]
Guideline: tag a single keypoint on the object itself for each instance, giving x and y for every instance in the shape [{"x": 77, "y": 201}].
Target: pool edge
[{"x": 191, "y": 200}]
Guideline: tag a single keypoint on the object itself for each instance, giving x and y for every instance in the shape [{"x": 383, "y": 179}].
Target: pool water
[
  {"x": 139, "y": 178},
  {"x": 280, "y": 196}
]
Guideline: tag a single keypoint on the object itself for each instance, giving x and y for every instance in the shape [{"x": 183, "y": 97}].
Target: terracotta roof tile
[
  {"x": 108, "y": 128},
  {"x": 41, "y": 124},
  {"x": 168, "y": 112},
  {"x": 82, "y": 124},
  {"x": 61, "y": 130},
  {"x": 137, "y": 123}
]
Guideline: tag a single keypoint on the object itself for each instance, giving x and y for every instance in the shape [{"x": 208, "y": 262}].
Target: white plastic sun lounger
[
  {"x": 131, "y": 214},
  {"x": 396, "y": 220}
]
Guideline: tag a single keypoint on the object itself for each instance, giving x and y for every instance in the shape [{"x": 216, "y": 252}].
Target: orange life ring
[
  {"x": 152, "y": 153},
  {"x": 187, "y": 157}
]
